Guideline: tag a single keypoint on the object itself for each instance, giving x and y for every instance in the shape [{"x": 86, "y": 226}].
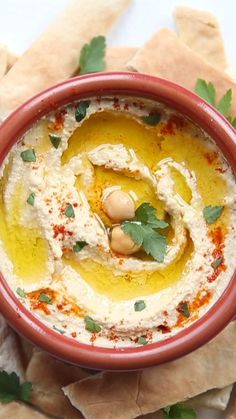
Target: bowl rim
[{"x": 182, "y": 100}]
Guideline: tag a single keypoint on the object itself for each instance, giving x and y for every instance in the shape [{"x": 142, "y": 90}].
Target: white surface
[{"x": 21, "y": 21}]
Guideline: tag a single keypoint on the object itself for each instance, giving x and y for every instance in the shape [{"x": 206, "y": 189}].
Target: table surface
[{"x": 22, "y": 21}]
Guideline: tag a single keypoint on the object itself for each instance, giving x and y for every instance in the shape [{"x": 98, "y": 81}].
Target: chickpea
[
  {"x": 119, "y": 206},
  {"x": 122, "y": 243}
]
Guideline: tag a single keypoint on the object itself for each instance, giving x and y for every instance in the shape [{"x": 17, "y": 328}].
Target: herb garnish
[
  {"x": 11, "y": 389},
  {"x": 79, "y": 245},
  {"x": 184, "y": 309},
  {"x": 179, "y": 411},
  {"x": 58, "y": 330},
  {"x": 69, "y": 211},
  {"x": 152, "y": 119},
  {"x": 207, "y": 91},
  {"x": 141, "y": 230},
  {"x": 55, "y": 140},
  {"x": 142, "y": 340},
  {"x": 21, "y": 292},
  {"x": 92, "y": 56},
  {"x": 217, "y": 262},
  {"x": 28, "y": 155},
  {"x": 212, "y": 213},
  {"x": 81, "y": 110},
  {"x": 30, "y": 199},
  {"x": 139, "y": 305},
  {"x": 44, "y": 298},
  {"x": 91, "y": 325}
]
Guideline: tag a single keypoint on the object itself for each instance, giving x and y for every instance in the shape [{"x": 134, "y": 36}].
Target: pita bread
[
  {"x": 200, "y": 31},
  {"x": 3, "y": 60},
  {"x": 47, "y": 394},
  {"x": 231, "y": 409},
  {"x": 130, "y": 394},
  {"x": 117, "y": 57},
  {"x": 15, "y": 410},
  {"x": 54, "y": 55},
  {"x": 164, "y": 55},
  {"x": 11, "y": 358},
  {"x": 213, "y": 399},
  {"x": 12, "y": 57}
]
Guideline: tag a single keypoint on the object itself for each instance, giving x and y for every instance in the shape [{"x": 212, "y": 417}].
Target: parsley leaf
[
  {"x": 142, "y": 340},
  {"x": 179, "y": 411},
  {"x": 55, "y": 140},
  {"x": 141, "y": 229},
  {"x": 212, "y": 213},
  {"x": 81, "y": 110},
  {"x": 58, "y": 330},
  {"x": 21, "y": 292},
  {"x": 79, "y": 245},
  {"x": 184, "y": 309},
  {"x": 44, "y": 298},
  {"x": 92, "y": 56},
  {"x": 11, "y": 389},
  {"x": 217, "y": 263},
  {"x": 152, "y": 119},
  {"x": 147, "y": 214},
  {"x": 139, "y": 305},
  {"x": 225, "y": 103},
  {"x": 28, "y": 155},
  {"x": 69, "y": 211},
  {"x": 91, "y": 325},
  {"x": 30, "y": 199},
  {"x": 206, "y": 91}
]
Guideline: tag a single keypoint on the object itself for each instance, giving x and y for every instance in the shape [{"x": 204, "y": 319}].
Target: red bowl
[{"x": 190, "y": 105}]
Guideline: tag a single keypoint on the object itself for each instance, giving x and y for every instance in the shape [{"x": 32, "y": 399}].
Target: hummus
[{"x": 55, "y": 235}]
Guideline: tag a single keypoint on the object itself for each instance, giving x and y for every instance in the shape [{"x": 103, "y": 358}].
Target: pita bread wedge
[
  {"x": 48, "y": 376},
  {"x": 15, "y": 410},
  {"x": 231, "y": 409},
  {"x": 54, "y": 56},
  {"x": 200, "y": 31},
  {"x": 213, "y": 399},
  {"x": 164, "y": 55},
  {"x": 11, "y": 359},
  {"x": 117, "y": 57},
  {"x": 127, "y": 395}
]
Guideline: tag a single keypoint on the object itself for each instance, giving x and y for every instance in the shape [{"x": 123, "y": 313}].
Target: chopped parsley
[
  {"x": 21, "y": 292},
  {"x": 91, "y": 325},
  {"x": 81, "y": 110},
  {"x": 28, "y": 155},
  {"x": 152, "y": 119},
  {"x": 184, "y": 309},
  {"x": 11, "y": 389},
  {"x": 30, "y": 199},
  {"x": 217, "y": 262},
  {"x": 212, "y": 213},
  {"x": 79, "y": 245},
  {"x": 58, "y": 330},
  {"x": 55, "y": 140},
  {"x": 139, "y": 305},
  {"x": 69, "y": 211},
  {"x": 44, "y": 298},
  {"x": 92, "y": 56},
  {"x": 142, "y": 340},
  {"x": 141, "y": 230}
]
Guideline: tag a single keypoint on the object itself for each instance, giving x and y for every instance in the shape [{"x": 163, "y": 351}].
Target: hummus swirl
[{"x": 68, "y": 189}]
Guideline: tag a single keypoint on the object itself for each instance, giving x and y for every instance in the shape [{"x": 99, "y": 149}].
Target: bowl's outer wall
[{"x": 188, "y": 104}]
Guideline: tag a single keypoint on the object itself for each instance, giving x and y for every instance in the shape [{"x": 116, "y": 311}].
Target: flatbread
[
  {"x": 213, "y": 399},
  {"x": 231, "y": 410},
  {"x": 117, "y": 57},
  {"x": 11, "y": 358},
  {"x": 54, "y": 55},
  {"x": 15, "y": 410},
  {"x": 12, "y": 57},
  {"x": 48, "y": 376},
  {"x": 164, "y": 55},
  {"x": 130, "y": 394},
  {"x": 200, "y": 31}
]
